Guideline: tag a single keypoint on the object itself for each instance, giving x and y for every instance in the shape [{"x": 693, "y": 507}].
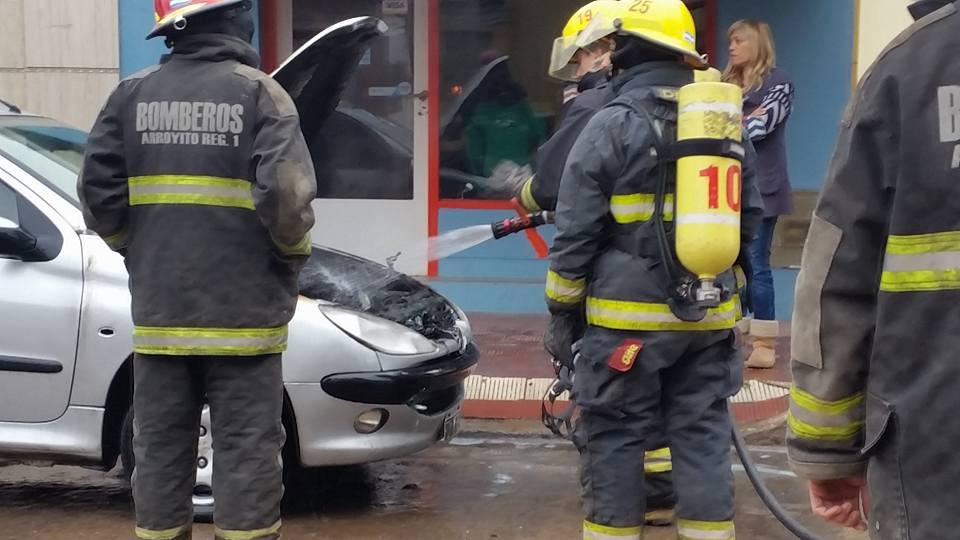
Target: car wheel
[{"x": 203, "y": 502}]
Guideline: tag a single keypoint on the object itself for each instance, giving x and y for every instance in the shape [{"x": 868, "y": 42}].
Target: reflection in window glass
[
  {"x": 498, "y": 104},
  {"x": 365, "y": 148},
  {"x": 8, "y": 205},
  {"x": 51, "y": 151}
]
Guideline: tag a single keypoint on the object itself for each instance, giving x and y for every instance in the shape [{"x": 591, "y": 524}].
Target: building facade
[{"x": 455, "y": 89}]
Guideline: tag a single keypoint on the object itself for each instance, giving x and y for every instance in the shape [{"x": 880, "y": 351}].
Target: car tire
[{"x": 203, "y": 506}]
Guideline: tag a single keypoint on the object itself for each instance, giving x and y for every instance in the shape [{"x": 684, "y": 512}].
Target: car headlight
[{"x": 379, "y": 334}]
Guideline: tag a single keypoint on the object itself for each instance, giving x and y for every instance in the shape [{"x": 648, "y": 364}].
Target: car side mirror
[{"x": 14, "y": 240}]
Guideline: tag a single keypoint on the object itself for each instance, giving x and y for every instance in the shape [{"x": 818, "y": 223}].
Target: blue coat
[{"x": 773, "y": 102}]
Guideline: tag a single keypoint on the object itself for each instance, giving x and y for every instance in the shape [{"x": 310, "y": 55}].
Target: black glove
[{"x": 563, "y": 331}]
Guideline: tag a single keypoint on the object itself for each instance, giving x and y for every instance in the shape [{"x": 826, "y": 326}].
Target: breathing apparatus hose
[{"x": 764, "y": 492}]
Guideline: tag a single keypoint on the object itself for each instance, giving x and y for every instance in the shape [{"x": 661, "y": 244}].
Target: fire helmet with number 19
[{"x": 575, "y": 37}]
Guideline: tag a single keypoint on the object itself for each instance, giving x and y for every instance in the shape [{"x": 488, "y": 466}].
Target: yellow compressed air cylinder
[{"x": 709, "y": 188}]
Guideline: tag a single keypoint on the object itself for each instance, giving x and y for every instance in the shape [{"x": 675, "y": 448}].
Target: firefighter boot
[{"x": 764, "y": 333}]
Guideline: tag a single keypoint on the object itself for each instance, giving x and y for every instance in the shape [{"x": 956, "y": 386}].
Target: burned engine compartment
[{"x": 366, "y": 286}]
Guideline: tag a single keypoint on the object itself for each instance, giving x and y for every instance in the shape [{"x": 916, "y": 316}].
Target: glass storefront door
[{"x": 372, "y": 196}]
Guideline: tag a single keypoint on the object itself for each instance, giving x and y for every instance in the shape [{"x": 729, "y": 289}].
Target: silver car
[{"x": 376, "y": 360}]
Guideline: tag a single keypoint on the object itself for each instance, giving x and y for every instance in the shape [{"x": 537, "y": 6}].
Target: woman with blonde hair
[{"x": 767, "y": 104}]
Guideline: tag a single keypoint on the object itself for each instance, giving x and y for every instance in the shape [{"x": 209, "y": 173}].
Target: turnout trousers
[
  {"x": 683, "y": 377},
  {"x": 245, "y": 395}
]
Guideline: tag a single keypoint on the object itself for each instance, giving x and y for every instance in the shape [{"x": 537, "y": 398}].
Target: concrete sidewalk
[{"x": 514, "y": 373}]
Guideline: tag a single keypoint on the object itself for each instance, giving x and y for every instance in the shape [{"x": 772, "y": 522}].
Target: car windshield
[{"x": 49, "y": 150}]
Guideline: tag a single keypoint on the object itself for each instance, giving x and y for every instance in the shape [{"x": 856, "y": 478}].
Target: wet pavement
[{"x": 480, "y": 487}]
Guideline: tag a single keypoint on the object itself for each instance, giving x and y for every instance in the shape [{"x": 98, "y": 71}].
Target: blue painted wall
[
  {"x": 136, "y": 21},
  {"x": 815, "y": 46}
]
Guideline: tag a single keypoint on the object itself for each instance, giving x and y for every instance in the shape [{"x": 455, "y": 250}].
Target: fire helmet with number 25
[{"x": 666, "y": 24}]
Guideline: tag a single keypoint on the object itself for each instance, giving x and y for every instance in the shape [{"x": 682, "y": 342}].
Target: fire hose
[
  {"x": 561, "y": 425},
  {"x": 768, "y": 498}
]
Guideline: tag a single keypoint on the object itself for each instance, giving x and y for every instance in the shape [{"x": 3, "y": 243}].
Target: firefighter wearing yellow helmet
[
  {"x": 654, "y": 345},
  {"x": 585, "y": 68},
  {"x": 584, "y": 62}
]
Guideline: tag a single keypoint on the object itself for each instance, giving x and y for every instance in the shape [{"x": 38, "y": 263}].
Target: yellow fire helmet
[
  {"x": 667, "y": 24},
  {"x": 576, "y": 37}
]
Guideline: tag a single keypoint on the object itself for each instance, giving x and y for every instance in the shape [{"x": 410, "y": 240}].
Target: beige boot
[{"x": 764, "y": 333}]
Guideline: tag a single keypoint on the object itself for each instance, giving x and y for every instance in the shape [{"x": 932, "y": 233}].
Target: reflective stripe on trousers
[
  {"x": 175, "y": 533},
  {"x": 657, "y": 461},
  {"x": 270, "y": 533},
  {"x": 183, "y": 189},
  {"x": 646, "y": 316},
  {"x": 705, "y": 530},
  {"x": 817, "y": 419},
  {"x": 593, "y": 531},
  {"x": 922, "y": 262},
  {"x": 209, "y": 341},
  {"x": 636, "y": 207}
]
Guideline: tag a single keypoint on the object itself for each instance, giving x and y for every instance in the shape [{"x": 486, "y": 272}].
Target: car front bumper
[{"x": 420, "y": 400}]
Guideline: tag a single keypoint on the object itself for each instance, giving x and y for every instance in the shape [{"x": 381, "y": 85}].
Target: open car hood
[
  {"x": 316, "y": 75},
  {"x": 363, "y": 285},
  {"x": 473, "y": 90}
]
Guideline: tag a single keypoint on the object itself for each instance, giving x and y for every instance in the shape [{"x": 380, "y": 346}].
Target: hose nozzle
[{"x": 520, "y": 223}]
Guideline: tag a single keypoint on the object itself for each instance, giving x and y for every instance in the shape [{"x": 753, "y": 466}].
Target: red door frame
[
  {"x": 269, "y": 35},
  {"x": 711, "y": 31},
  {"x": 433, "y": 127}
]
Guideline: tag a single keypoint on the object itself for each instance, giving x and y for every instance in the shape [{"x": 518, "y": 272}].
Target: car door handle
[{"x": 107, "y": 332}]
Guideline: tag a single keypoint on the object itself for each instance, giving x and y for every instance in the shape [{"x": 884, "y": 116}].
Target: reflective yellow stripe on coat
[
  {"x": 209, "y": 341},
  {"x": 638, "y": 207},
  {"x": 644, "y": 316},
  {"x": 116, "y": 241},
  {"x": 565, "y": 291},
  {"x": 818, "y": 419},
  {"x": 526, "y": 197},
  {"x": 303, "y": 247},
  {"x": 923, "y": 262},
  {"x": 198, "y": 190}
]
